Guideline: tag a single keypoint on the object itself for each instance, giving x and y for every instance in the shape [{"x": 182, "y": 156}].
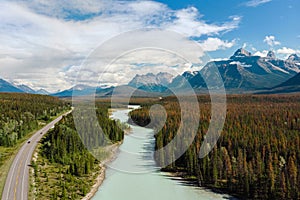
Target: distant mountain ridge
[
  {"x": 26, "y": 89},
  {"x": 242, "y": 72},
  {"x": 152, "y": 82},
  {"x": 42, "y": 91},
  {"x": 294, "y": 58},
  {"x": 291, "y": 85},
  {"x": 81, "y": 90},
  {"x": 6, "y": 86},
  {"x": 162, "y": 78},
  {"x": 295, "y": 80}
]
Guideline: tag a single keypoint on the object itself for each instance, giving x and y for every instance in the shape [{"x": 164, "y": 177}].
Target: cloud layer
[
  {"x": 41, "y": 39},
  {"x": 255, "y": 3}
]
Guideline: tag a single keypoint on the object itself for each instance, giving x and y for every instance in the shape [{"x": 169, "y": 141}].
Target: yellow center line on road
[
  {"x": 20, "y": 161},
  {"x": 17, "y": 178}
]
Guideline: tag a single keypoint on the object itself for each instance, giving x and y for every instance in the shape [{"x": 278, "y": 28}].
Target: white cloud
[
  {"x": 67, "y": 9},
  {"x": 271, "y": 41},
  {"x": 149, "y": 51},
  {"x": 40, "y": 38},
  {"x": 261, "y": 53},
  {"x": 124, "y": 68},
  {"x": 236, "y": 18},
  {"x": 285, "y": 51},
  {"x": 219, "y": 59},
  {"x": 213, "y": 44},
  {"x": 187, "y": 22},
  {"x": 255, "y": 3}
]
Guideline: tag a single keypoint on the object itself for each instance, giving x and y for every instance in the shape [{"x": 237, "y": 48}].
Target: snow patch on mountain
[{"x": 162, "y": 78}]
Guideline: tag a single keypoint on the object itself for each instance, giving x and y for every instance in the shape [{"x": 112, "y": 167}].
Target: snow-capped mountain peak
[
  {"x": 241, "y": 53},
  {"x": 271, "y": 55},
  {"x": 162, "y": 78},
  {"x": 294, "y": 58}
]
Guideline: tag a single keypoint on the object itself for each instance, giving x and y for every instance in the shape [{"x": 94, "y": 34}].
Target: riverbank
[
  {"x": 113, "y": 150},
  {"x": 42, "y": 169},
  {"x": 191, "y": 181},
  {"x": 137, "y": 164}
]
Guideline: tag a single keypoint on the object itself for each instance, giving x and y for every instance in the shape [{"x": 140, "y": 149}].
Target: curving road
[{"x": 17, "y": 181}]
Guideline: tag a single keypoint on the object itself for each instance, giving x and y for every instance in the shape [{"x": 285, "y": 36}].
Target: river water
[{"x": 134, "y": 176}]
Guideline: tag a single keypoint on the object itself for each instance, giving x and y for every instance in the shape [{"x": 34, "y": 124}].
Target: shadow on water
[{"x": 188, "y": 182}]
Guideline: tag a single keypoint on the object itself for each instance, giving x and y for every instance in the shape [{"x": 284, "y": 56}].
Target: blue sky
[
  {"x": 43, "y": 43},
  {"x": 279, "y": 18}
]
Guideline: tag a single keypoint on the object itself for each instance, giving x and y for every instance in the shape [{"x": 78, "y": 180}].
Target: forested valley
[
  {"x": 20, "y": 116},
  {"x": 23, "y": 113},
  {"x": 257, "y": 155},
  {"x": 65, "y": 168}
]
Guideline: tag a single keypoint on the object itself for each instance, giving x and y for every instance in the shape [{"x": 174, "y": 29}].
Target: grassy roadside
[
  {"x": 51, "y": 180},
  {"x": 67, "y": 170},
  {"x": 9, "y": 153}
]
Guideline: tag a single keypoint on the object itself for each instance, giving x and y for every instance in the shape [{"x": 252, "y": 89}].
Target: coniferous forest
[
  {"x": 22, "y": 113},
  {"x": 257, "y": 155},
  {"x": 65, "y": 167},
  {"x": 20, "y": 116}
]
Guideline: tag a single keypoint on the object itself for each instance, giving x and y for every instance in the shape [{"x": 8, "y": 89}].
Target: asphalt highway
[{"x": 17, "y": 182}]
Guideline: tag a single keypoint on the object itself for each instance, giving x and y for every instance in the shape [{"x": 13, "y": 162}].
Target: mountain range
[
  {"x": 241, "y": 73},
  {"x": 82, "y": 90},
  {"x": 291, "y": 85},
  {"x": 244, "y": 72},
  {"x": 6, "y": 86},
  {"x": 152, "y": 82}
]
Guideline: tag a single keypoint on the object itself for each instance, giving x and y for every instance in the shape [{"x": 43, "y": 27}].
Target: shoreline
[
  {"x": 101, "y": 177},
  {"x": 113, "y": 149},
  {"x": 181, "y": 177}
]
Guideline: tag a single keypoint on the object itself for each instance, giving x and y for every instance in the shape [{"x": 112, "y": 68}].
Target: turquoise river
[{"x": 134, "y": 176}]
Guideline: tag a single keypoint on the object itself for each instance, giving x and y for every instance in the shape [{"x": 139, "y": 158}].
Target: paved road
[{"x": 17, "y": 182}]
